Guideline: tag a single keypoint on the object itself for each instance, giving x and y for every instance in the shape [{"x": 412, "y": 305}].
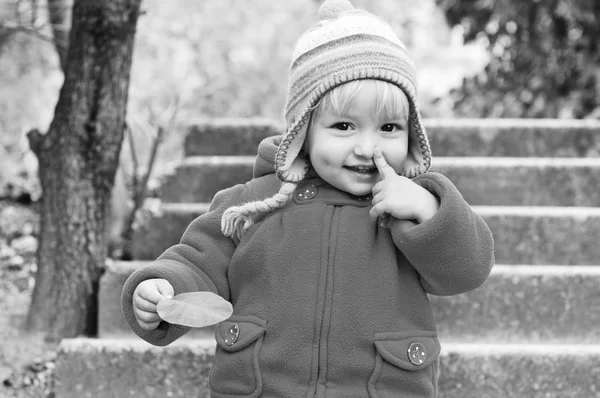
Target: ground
[{"x": 26, "y": 360}]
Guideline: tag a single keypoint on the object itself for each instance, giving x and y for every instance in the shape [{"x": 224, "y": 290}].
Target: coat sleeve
[
  {"x": 198, "y": 263},
  {"x": 454, "y": 250}
]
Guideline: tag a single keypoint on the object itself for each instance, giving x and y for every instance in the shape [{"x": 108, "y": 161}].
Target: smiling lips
[{"x": 362, "y": 169}]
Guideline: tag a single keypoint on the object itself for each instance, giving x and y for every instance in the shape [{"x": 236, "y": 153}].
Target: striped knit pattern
[
  {"x": 352, "y": 23},
  {"x": 356, "y": 45},
  {"x": 349, "y": 57}
]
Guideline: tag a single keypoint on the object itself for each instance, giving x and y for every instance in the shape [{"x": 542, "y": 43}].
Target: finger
[
  {"x": 150, "y": 293},
  {"x": 376, "y": 199},
  {"x": 148, "y": 326},
  {"x": 377, "y": 188},
  {"x": 146, "y": 316},
  {"x": 143, "y": 304},
  {"x": 376, "y": 211},
  {"x": 385, "y": 221},
  {"x": 165, "y": 288},
  {"x": 385, "y": 170}
]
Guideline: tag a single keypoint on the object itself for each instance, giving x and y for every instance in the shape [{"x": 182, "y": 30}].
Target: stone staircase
[{"x": 532, "y": 330}]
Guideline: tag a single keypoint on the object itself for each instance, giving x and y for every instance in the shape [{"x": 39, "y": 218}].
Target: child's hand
[
  {"x": 399, "y": 197},
  {"x": 145, "y": 298}
]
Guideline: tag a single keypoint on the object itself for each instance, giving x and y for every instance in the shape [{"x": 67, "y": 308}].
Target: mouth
[{"x": 366, "y": 170}]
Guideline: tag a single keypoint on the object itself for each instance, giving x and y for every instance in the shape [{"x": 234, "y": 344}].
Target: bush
[{"x": 544, "y": 57}]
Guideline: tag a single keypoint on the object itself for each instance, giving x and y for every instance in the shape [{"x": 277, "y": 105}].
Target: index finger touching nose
[{"x": 385, "y": 170}]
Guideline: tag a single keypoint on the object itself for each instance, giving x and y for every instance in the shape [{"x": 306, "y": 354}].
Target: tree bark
[
  {"x": 78, "y": 158},
  {"x": 58, "y": 13}
]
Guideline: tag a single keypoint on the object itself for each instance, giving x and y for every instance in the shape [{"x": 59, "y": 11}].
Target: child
[{"x": 328, "y": 254}]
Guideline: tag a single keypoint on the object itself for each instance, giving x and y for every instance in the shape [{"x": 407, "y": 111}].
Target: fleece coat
[{"x": 326, "y": 302}]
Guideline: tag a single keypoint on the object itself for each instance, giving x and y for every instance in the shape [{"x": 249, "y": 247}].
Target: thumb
[
  {"x": 385, "y": 170},
  {"x": 165, "y": 288}
]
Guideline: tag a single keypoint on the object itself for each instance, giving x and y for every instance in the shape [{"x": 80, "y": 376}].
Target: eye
[
  {"x": 341, "y": 126},
  {"x": 391, "y": 127}
]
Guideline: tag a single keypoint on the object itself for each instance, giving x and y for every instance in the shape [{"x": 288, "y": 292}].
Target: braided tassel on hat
[{"x": 238, "y": 219}]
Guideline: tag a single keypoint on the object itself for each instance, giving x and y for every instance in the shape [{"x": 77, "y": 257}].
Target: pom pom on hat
[{"x": 331, "y": 9}]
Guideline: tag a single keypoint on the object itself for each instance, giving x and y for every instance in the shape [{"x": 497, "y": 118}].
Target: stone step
[
  {"x": 107, "y": 368},
  {"x": 517, "y": 303},
  {"x": 522, "y": 234},
  {"x": 448, "y": 137},
  {"x": 543, "y": 303},
  {"x": 482, "y": 181}
]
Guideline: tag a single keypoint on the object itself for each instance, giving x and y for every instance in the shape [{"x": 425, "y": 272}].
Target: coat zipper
[{"x": 325, "y": 324}]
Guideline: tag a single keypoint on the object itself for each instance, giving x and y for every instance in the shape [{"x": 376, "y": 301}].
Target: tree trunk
[
  {"x": 58, "y": 12},
  {"x": 78, "y": 158}
]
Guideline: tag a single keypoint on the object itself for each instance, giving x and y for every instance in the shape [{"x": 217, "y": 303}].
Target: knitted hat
[{"x": 346, "y": 44}]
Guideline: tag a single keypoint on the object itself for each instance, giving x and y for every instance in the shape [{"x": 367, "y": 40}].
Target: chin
[
  {"x": 360, "y": 191},
  {"x": 351, "y": 185}
]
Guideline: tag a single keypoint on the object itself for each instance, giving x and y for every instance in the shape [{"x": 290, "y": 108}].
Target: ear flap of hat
[
  {"x": 290, "y": 166},
  {"x": 418, "y": 159}
]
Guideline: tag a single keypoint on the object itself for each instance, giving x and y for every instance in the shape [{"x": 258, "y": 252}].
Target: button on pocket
[
  {"x": 406, "y": 363},
  {"x": 417, "y": 354},
  {"x": 236, "y": 369},
  {"x": 232, "y": 335}
]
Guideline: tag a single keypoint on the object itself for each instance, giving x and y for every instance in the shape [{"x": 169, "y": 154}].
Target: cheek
[
  {"x": 320, "y": 156},
  {"x": 395, "y": 154},
  {"x": 325, "y": 151}
]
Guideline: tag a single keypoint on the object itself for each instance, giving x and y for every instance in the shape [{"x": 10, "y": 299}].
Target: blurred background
[
  {"x": 202, "y": 59},
  {"x": 230, "y": 58}
]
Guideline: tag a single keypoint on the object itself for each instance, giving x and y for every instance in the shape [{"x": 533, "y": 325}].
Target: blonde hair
[{"x": 390, "y": 101}]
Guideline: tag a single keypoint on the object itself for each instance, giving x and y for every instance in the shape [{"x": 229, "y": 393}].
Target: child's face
[{"x": 341, "y": 147}]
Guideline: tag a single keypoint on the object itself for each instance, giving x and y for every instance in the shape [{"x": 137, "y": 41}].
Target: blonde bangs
[{"x": 391, "y": 102}]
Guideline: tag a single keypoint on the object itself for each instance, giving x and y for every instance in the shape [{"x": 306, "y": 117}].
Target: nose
[{"x": 365, "y": 146}]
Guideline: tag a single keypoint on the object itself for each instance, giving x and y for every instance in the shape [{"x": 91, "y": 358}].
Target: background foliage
[
  {"x": 226, "y": 58},
  {"x": 545, "y": 57},
  {"x": 230, "y": 58}
]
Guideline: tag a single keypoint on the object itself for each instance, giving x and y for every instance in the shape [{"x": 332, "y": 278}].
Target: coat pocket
[
  {"x": 236, "y": 371},
  {"x": 406, "y": 365}
]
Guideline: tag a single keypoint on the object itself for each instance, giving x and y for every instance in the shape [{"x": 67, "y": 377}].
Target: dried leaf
[{"x": 196, "y": 309}]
